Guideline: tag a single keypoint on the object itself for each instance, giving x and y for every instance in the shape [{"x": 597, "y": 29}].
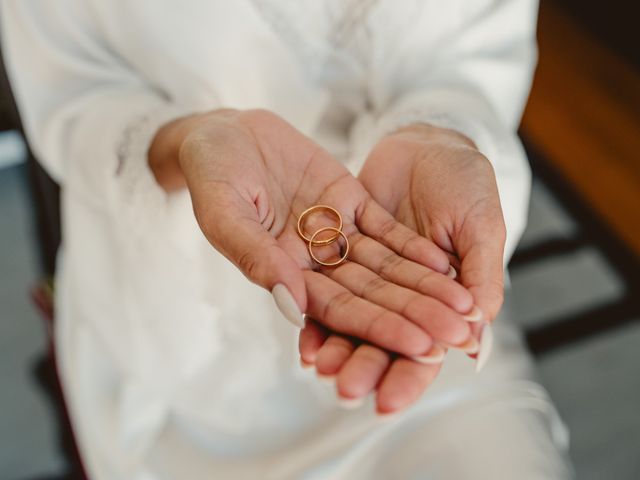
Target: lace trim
[
  {"x": 141, "y": 200},
  {"x": 473, "y": 129}
]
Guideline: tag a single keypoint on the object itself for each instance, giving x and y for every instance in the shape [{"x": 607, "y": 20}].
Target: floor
[
  {"x": 27, "y": 428},
  {"x": 594, "y": 382}
]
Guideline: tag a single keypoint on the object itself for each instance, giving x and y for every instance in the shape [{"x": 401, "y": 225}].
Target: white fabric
[{"x": 174, "y": 366}]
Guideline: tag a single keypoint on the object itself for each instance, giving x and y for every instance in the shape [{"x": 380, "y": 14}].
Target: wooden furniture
[{"x": 584, "y": 117}]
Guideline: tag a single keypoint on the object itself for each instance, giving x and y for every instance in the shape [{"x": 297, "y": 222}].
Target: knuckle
[
  {"x": 417, "y": 382},
  {"x": 389, "y": 263},
  {"x": 340, "y": 343},
  {"x": 416, "y": 307},
  {"x": 372, "y": 355},
  {"x": 372, "y": 286},
  {"x": 387, "y": 227},
  {"x": 473, "y": 276},
  {"x": 370, "y": 328},
  {"x": 373, "y": 329},
  {"x": 356, "y": 242},
  {"x": 337, "y": 303},
  {"x": 249, "y": 264},
  {"x": 403, "y": 247},
  {"x": 411, "y": 243},
  {"x": 424, "y": 282}
]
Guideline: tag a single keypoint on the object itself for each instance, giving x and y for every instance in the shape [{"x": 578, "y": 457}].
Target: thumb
[
  {"x": 482, "y": 271},
  {"x": 232, "y": 226}
]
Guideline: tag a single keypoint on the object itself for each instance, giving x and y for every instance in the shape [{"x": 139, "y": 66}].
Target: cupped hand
[
  {"x": 251, "y": 174},
  {"x": 435, "y": 182},
  {"x": 445, "y": 190}
]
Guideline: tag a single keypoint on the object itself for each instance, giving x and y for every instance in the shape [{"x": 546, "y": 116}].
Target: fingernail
[
  {"x": 475, "y": 315},
  {"x": 470, "y": 346},
  {"x": 350, "y": 403},
  {"x": 486, "y": 345},
  {"x": 452, "y": 272},
  {"x": 305, "y": 365},
  {"x": 329, "y": 380},
  {"x": 432, "y": 357},
  {"x": 388, "y": 416},
  {"x": 287, "y": 305}
]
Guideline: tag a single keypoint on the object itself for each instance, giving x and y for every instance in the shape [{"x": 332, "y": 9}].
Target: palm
[{"x": 438, "y": 191}]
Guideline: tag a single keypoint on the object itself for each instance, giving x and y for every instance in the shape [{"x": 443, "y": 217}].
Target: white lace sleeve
[
  {"x": 449, "y": 108},
  {"x": 140, "y": 199}
]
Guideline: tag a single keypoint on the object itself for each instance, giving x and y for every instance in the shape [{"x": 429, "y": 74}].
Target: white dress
[{"x": 176, "y": 367}]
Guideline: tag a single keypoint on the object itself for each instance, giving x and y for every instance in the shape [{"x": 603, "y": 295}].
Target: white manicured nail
[
  {"x": 389, "y": 416},
  {"x": 327, "y": 379},
  {"x": 305, "y": 365},
  {"x": 433, "y": 357},
  {"x": 287, "y": 305},
  {"x": 452, "y": 272},
  {"x": 486, "y": 345},
  {"x": 350, "y": 403},
  {"x": 470, "y": 346},
  {"x": 475, "y": 315}
]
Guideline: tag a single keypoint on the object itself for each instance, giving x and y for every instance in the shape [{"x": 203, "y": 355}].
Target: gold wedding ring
[
  {"x": 338, "y": 233},
  {"x": 309, "y": 211},
  {"x": 312, "y": 242}
]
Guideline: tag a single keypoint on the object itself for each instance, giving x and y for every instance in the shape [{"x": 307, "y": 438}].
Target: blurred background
[{"x": 575, "y": 276}]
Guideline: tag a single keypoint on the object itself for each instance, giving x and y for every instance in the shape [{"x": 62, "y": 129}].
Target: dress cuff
[
  {"x": 139, "y": 198},
  {"x": 450, "y": 108}
]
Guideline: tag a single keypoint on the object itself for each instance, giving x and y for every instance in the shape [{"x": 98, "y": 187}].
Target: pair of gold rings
[{"x": 314, "y": 241}]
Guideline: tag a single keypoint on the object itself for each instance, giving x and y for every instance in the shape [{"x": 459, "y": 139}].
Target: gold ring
[
  {"x": 328, "y": 241},
  {"x": 338, "y": 234}
]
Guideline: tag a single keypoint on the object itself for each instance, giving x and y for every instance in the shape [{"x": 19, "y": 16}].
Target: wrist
[{"x": 163, "y": 153}]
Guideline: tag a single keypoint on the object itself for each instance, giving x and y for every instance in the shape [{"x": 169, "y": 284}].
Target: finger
[
  {"x": 454, "y": 266},
  {"x": 362, "y": 371},
  {"x": 333, "y": 354},
  {"x": 341, "y": 311},
  {"x": 441, "y": 322},
  {"x": 482, "y": 273},
  {"x": 377, "y": 223},
  {"x": 484, "y": 335},
  {"x": 232, "y": 226},
  {"x": 397, "y": 269},
  {"x": 403, "y": 384},
  {"x": 311, "y": 338}
]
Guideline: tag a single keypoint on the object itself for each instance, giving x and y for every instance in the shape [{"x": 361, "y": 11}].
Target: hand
[
  {"x": 250, "y": 175},
  {"x": 360, "y": 368},
  {"x": 445, "y": 190}
]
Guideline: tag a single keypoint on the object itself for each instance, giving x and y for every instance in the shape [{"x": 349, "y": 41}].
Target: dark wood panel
[{"x": 584, "y": 116}]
